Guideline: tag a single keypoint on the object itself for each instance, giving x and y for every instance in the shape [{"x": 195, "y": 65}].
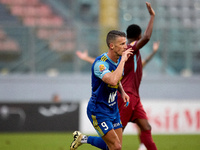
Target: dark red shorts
[{"x": 134, "y": 110}]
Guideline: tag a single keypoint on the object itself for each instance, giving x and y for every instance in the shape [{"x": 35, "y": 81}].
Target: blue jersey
[{"x": 104, "y": 97}]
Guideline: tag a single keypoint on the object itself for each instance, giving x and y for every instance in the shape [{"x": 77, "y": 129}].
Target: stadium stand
[
  {"x": 10, "y": 49},
  {"x": 50, "y": 30},
  {"x": 7, "y": 44},
  {"x": 51, "y": 34},
  {"x": 34, "y": 13}
]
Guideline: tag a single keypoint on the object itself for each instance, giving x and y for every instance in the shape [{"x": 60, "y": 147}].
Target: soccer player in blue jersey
[
  {"x": 131, "y": 81},
  {"x": 84, "y": 56},
  {"x": 102, "y": 109}
]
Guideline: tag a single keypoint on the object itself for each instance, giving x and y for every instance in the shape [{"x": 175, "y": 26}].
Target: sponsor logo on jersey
[{"x": 116, "y": 124}]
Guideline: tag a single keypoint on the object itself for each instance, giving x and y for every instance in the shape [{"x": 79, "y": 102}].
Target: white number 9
[{"x": 104, "y": 125}]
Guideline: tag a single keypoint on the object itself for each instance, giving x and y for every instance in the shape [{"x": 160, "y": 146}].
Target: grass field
[{"x": 62, "y": 141}]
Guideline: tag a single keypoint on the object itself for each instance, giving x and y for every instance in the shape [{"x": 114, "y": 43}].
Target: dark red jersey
[{"x": 132, "y": 72}]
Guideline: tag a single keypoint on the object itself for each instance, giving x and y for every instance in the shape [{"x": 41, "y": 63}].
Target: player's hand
[
  {"x": 156, "y": 46},
  {"x": 82, "y": 55},
  {"x": 126, "y": 98},
  {"x": 150, "y": 9},
  {"x": 126, "y": 54}
]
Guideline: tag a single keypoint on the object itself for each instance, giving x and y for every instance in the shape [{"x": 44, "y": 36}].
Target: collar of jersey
[
  {"x": 111, "y": 60},
  {"x": 132, "y": 43}
]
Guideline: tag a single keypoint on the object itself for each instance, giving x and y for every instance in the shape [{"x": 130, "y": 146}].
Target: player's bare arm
[
  {"x": 124, "y": 96},
  {"x": 113, "y": 78},
  {"x": 147, "y": 34},
  {"x": 155, "y": 48},
  {"x": 84, "y": 56}
]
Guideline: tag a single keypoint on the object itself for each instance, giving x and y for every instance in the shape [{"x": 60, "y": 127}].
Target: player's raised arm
[{"x": 147, "y": 34}]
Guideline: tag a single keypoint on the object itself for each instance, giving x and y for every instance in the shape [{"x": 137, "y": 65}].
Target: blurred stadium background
[
  {"x": 40, "y": 36},
  {"x": 38, "y": 41}
]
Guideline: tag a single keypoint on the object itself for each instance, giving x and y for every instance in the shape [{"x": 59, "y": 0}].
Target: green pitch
[{"x": 62, "y": 141}]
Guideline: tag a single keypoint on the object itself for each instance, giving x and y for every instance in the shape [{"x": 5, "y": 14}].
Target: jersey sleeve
[{"x": 101, "y": 68}]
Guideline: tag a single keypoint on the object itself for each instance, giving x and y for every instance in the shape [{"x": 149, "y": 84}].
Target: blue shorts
[{"x": 103, "y": 124}]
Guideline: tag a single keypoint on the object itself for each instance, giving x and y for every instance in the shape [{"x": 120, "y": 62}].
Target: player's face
[{"x": 120, "y": 45}]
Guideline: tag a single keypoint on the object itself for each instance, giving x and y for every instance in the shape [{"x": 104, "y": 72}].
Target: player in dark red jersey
[{"x": 131, "y": 82}]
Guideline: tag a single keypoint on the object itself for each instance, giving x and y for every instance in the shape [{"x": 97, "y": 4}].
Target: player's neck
[
  {"x": 112, "y": 56},
  {"x": 130, "y": 41}
]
